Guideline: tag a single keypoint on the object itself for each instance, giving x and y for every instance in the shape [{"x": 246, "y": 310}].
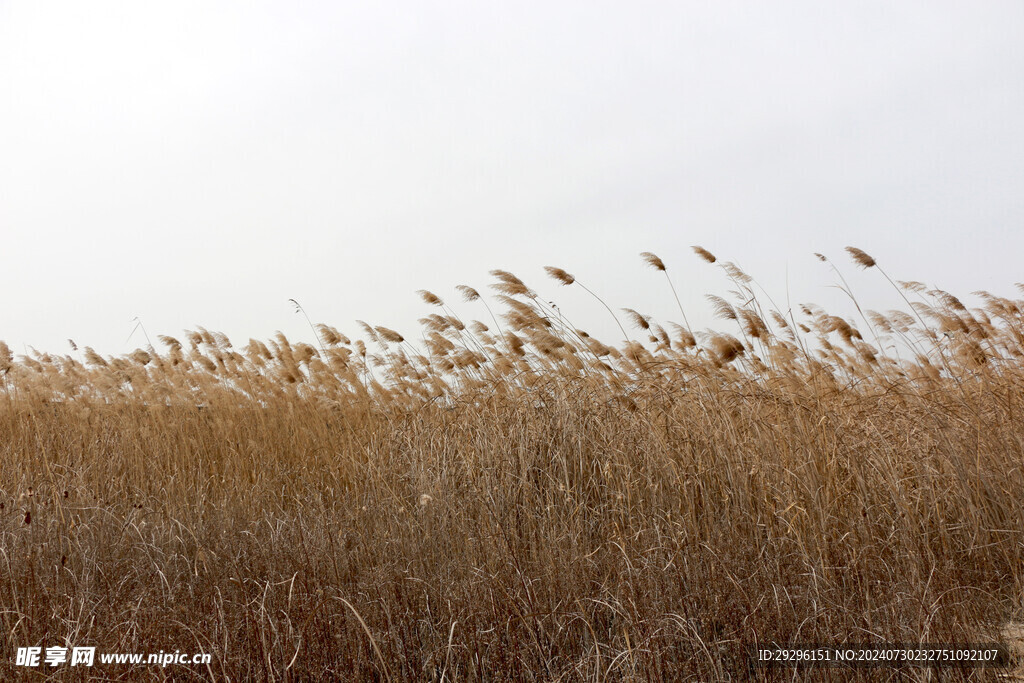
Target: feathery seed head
[
  {"x": 861, "y": 258},
  {"x": 169, "y": 342},
  {"x": 736, "y": 273},
  {"x": 509, "y": 284},
  {"x": 370, "y": 332},
  {"x": 560, "y": 275},
  {"x": 686, "y": 339},
  {"x": 389, "y": 335},
  {"x": 430, "y": 298},
  {"x": 653, "y": 261},
  {"x": 435, "y": 322},
  {"x": 328, "y": 335},
  {"x": 91, "y": 357},
  {"x": 726, "y": 347},
  {"x": 723, "y": 309},
  {"x": 140, "y": 356},
  {"x": 704, "y": 254},
  {"x": 642, "y": 321}
]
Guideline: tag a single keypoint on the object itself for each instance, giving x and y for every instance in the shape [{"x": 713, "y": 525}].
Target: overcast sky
[{"x": 200, "y": 163}]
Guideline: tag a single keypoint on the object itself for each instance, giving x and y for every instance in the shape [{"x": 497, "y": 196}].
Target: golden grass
[{"x": 522, "y": 501}]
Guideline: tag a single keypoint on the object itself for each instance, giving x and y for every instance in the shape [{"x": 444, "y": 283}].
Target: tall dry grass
[{"x": 519, "y": 500}]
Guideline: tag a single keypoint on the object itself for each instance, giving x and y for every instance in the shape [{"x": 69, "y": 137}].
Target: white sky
[{"x": 200, "y": 163}]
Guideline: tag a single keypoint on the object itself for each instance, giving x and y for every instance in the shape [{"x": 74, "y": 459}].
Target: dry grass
[{"x": 522, "y": 501}]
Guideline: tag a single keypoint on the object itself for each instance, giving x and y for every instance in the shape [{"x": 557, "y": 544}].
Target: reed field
[{"x": 503, "y": 497}]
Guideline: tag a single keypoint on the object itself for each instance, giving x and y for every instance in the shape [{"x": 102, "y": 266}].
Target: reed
[{"x": 525, "y": 501}]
